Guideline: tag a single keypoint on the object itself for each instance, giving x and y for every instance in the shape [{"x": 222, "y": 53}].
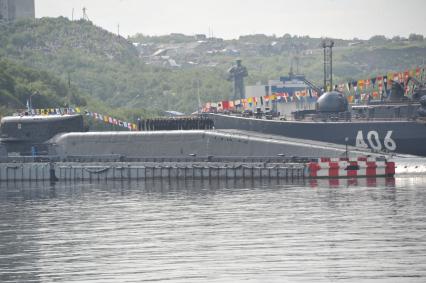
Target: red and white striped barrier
[
  {"x": 350, "y": 167},
  {"x": 352, "y": 182}
]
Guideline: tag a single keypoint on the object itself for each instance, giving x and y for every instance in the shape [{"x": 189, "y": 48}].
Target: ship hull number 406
[{"x": 372, "y": 140}]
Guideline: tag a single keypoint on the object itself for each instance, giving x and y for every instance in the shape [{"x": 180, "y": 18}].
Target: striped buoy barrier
[{"x": 326, "y": 167}]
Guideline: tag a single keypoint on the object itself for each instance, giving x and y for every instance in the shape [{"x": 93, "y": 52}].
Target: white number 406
[{"x": 374, "y": 142}]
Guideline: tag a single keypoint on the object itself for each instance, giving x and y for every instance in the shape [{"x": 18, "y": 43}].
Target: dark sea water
[{"x": 201, "y": 231}]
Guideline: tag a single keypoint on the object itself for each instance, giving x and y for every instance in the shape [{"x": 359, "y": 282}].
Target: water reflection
[
  {"x": 46, "y": 190},
  {"x": 214, "y": 230}
]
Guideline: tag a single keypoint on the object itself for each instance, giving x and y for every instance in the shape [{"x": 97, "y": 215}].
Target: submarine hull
[{"x": 185, "y": 144}]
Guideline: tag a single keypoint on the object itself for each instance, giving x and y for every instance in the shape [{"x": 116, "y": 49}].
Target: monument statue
[{"x": 237, "y": 74}]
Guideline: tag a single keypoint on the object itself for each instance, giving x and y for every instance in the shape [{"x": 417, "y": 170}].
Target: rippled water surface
[{"x": 201, "y": 231}]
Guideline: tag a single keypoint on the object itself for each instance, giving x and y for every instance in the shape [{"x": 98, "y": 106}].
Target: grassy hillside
[
  {"x": 18, "y": 83},
  {"x": 143, "y": 75}
]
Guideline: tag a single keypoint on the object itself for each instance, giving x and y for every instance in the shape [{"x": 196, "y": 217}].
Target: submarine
[{"x": 61, "y": 137}]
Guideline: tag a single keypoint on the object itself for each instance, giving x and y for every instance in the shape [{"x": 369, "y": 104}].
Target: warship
[
  {"x": 389, "y": 128},
  {"x": 394, "y": 124}
]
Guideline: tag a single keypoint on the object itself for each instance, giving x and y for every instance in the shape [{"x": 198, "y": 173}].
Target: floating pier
[{"x": 118, "y": 168}]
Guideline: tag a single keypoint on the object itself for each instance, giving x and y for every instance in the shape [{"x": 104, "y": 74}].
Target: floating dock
[{"x": 81, "y": 169}]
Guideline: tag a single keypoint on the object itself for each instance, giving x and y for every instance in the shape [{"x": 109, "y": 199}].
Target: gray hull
[
  {"x": 408, "y": 137},
  {"x": 179, "y": 144}
]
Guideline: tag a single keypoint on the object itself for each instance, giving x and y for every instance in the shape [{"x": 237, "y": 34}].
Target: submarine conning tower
[{"x": 23, "y": 134}]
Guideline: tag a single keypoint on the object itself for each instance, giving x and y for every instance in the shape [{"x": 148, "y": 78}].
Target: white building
[{"x": 290, "y": 85}]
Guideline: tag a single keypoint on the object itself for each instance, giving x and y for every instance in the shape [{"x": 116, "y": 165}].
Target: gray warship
[{"x": 394, "y": 124}]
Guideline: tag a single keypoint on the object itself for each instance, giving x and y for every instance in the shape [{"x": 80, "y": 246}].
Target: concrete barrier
[{"x": 350, "y": 167}]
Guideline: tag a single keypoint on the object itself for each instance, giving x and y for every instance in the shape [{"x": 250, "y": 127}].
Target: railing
[{"x": 189, "y": 158}]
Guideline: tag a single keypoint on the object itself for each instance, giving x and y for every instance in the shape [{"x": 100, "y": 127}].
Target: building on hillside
[
  {"x": 286, "y": 84},
  {"x": 11, "y": 10}
]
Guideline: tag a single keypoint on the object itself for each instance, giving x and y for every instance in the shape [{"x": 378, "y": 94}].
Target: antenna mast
[
  {"x": 327, "y": 45},
  {"x": 85, "y": 16}
]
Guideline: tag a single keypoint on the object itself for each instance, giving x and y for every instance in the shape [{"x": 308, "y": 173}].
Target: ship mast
[{"x": 327, "y": 45}]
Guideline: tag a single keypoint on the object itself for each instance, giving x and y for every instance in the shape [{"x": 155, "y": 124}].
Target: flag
[
  {"x": 406, "y": 76},
  {"x": 417, "y": 72},
  {"x": 367, "y": 83},
  {"x": 375, "y": 94},
  {"x": 361, "y": 84},
  {"x": 399, "y": 77},
  {"x": 255, "y": 100},
  {"x": 389, "y": 78},
  {"x": 244, "y": 103},
  {"x": 225, "y": 105}
]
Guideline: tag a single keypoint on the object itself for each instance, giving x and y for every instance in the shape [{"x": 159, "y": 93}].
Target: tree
[
  {"x": 378, "y": 39},
  {"x": 415, "y": 37}
]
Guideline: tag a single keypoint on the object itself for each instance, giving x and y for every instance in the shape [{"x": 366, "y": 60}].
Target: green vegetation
[
  {"x": 18, "y": 83},
  {"x": 106, "y": 67},
  {"x": 77, "y": 60}
]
